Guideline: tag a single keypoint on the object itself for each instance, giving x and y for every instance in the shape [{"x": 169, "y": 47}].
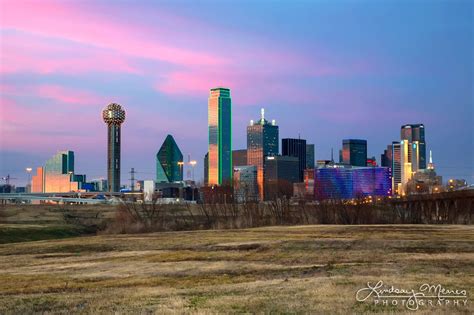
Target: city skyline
[{"x": 57, "y": 78}]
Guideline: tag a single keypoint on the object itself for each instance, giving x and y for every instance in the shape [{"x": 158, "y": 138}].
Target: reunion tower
[{"x": 113, "y": 116}]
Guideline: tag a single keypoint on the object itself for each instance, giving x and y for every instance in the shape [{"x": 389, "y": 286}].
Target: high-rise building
[
  {"x": 351, "y": 182},
  {"x": 206, "y": 169},
  {"x": 354, "y": 152},
  {"x": 309, "y": 156},
  {"x": 113, "y": 115},
  {"x": 386, "y": 157},
  {"x": 405, "y": 164},
  {"x": 169, "y": 162},
  {"x": 239, "y": 158},
  {"x": 414, "y": 134},
  {"x": 396, "y": 166},
  {"x": 220, "y": 137},
  {"x": 296, "y": 148},
  {"x": 37, "y": 181},
  {"x": 281, "y": 172},
  {"x": 245, "y": 183},
  {"x": 262, "y": 141}
]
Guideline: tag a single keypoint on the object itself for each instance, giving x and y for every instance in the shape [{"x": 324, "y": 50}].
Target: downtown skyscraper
[
  {"x": 113, "y": 115},
  {"x": 414, "y": 134},
  {"x": 354, "y": 152},
  {"x": 262, "y": 141},
  {"x": 220, "y": 137},
  {"x": 296, "y": 148},
  {"x": 169, "y": 162}
]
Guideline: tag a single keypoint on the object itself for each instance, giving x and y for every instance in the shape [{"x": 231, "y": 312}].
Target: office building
[
  {"x": 281, "y": 172},
  {"x": 57, "y": 175},
  {"x": 323, "y": 163},
  {"x": 169, "y": 162},
  {"x": 295, "y": 148},
  {"x": 354, "y": 152},
  {"x": 405, "y": 165},
  {"x": 396, "y": 167},
  {"x": 99, "y": 185},
  {"x": 113, "y": 115},
  {"x": 245, "y": 183},
  {"x": 239, "y": 158},
  {"x": 351, "y": 182},
  {"x": 220, "y": 134},
  {"x": 206, "y": 169},
  {"x": 309, "y": 183},
  {"x": 262, "y": 141},
  {"x": 414, "y": 134},
  {"x": 386, "y": 157},
  {"x": 309, "y": 156},
  {"x": 372, "y": 161}
]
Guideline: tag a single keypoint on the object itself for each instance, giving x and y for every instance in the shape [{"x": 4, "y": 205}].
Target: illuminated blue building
[{"x": 350, "y": 183}]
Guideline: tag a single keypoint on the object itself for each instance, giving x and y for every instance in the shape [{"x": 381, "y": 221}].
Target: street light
[
  {"x": 181, "y": 163},
  {"x": 28, "y": 171}
]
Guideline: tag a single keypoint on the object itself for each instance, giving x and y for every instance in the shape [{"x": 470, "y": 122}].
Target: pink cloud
[
  {"x": 35, "y": 54},
  {"x": 57, "y": 93},
  {"x": 69, "y": 21},
  {"x": 68, "y": 96}
]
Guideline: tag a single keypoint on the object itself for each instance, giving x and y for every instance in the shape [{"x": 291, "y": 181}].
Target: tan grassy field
[{"x": 298, "y": 269}]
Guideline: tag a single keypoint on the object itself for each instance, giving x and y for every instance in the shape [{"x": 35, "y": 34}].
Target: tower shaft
[{"x": 113, "y": 157}]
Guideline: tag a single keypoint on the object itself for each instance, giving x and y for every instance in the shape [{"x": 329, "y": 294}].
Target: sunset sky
[{"x": 325, "y": 70}]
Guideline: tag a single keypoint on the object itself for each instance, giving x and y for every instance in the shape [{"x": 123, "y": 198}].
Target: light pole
[{"x": 28, "y": 185}]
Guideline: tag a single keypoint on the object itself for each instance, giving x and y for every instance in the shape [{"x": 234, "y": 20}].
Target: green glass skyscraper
[
  {"x": 220, "y": 137},
  {"x": 169, "y": 162}
]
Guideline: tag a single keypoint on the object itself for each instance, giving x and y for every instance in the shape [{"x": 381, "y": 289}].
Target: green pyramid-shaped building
[{"x": 169, "y": 162}]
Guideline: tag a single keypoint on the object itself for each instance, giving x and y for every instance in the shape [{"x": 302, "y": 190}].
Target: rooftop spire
[
  {"x": 263, "y": 113},
  {"x": 430, "y": 164}
]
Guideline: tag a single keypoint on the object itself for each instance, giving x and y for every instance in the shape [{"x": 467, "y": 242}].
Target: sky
[{"x": 324, "y": 70}]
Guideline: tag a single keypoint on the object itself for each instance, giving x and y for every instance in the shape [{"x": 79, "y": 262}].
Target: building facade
[
  {"x": 262, "y": 141},
  {"x": 220, "y": 137},
  {"x": 354, "y": 152},
  {"x": 386, "y": 159},
  {"x": 414, "y": 134},
  {"x": 295, "y": 148},
  {"x": 309, "y": 156},
  {"x": 341, "y": 183},
  {"x": 396, "y": 167},
  {"x": 57, "y": 175},
  {"x": 113, "y": 115},
  {"x": 169, "y": 162},
  {"x": 281, "y": 172},
  {"x": 239, "y": 158},
  {"x": 206, "y": 169},
  {"x": 245, "y": 184}
]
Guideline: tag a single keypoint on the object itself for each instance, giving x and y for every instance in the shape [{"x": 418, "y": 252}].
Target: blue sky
[{"x": 326, "y": 70}]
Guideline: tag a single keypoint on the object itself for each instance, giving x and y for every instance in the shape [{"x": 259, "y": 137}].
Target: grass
[
  {"x": 11, "y": 233},
  {"x": 298, "y": 269}
]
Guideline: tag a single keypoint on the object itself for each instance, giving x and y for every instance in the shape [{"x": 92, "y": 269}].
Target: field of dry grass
[{"x": 298, "y": 269}]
